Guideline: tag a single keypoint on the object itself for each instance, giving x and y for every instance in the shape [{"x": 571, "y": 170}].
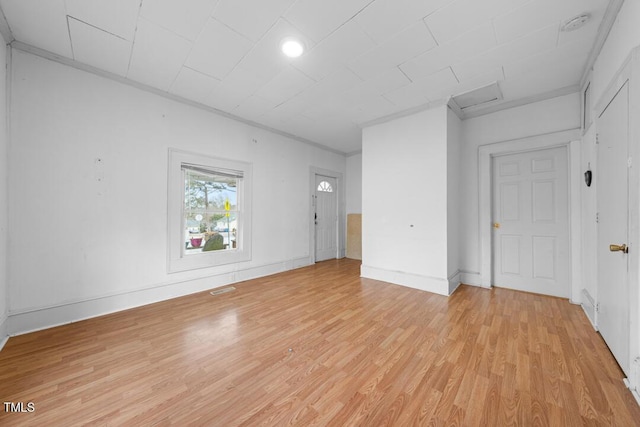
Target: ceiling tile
[
  {"x": 217, "y": 50},
  {"x": 251, "y": 18},
  {"x": 370, "y": 90},
  {"x": 336, "y": 50},
  {"x": 117, "y": 17},
  {"x": 224, "y": 98},
  {"x": 399, "y": 49},
  {"x": 466, "y": 46},
  {"x": 100, "y": 49},
  {"x": 242, "y": 83},
  {"x": 185, "y": 17},
  {"x": 158, "y": 55},
  {"x": 289, "y": 108},
  {"x": 542, "y": 13},
  {"x": 539, "y": 81},
  {"x": 375, "y": 109},
  {"x": 318, "y": 19},
  {"x": 265, "y": 60},
  {"x": 385, "y": 18},
  {"x": 42, "y": 24},
  {"x": 482, "y": 80},
  {"x": 407, "y": 97},
  {"x": 572, "y": 53},
  {"x": 253, "y": 107},
  {"x": 586, "y": 34},
  {"x": 284, "y": 86},
  {"x": 193, "y": 85},
  {"x": 424, "y": 90},
  {"x": 340, "y": 81},
  {"x": 462, "y": 16},
  {"x": 517, "y": 49}
]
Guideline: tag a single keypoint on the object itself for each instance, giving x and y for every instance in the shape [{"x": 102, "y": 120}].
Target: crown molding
[
  {"x": 405, "y": 113},
  {"x": 604, "y": 29},
  {"x": 5, "y": 30}
]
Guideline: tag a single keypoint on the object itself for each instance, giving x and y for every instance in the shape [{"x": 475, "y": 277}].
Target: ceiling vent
[{"x": 478, "y": 97}]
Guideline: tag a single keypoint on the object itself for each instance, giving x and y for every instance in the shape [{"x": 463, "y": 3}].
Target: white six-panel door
[
  {"x": 613, "y": 210},
  {"x": 531, "y": 250},
  {"x": 326, "y": 218}
]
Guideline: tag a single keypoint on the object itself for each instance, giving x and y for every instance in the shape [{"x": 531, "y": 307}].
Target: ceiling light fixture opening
[
  {"x": 575, "y": 22},
  {"x": 292, "y": 47}
]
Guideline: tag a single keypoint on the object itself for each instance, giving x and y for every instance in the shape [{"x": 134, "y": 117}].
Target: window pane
[
  {"x": 210, "y": 192},
  {"x": 211, "y": 232},
  {"x": 324, "y": 186}
]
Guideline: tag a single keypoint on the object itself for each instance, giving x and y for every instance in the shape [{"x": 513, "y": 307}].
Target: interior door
[
  {"x": 613, "y": 211},
  {"x": 326, "y": 218},
  {"x": 531, "y": 222}
]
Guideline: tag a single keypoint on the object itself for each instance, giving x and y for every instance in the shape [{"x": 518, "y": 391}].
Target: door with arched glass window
[{"x": 326, "y": 218}]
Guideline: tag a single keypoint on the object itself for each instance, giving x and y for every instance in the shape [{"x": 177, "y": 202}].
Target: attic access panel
[{"x": 478, "y": 96}]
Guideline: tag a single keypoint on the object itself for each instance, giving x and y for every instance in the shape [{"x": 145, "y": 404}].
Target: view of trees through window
[{"x": 210, "y": 211}]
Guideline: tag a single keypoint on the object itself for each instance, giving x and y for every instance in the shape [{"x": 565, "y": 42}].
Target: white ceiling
[{"x": 365, "y": 59}]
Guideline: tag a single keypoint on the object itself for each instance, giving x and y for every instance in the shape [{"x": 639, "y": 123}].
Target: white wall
[
  {"x": 552, "y": 115},
  {"x": 4, "y": 205},
  {"x": 624, "y": 36},
  {"x": 89, "y": 238},
  {"x": 588, "y": 208},
  {"x": 404, "y": 201},
  {"x": 354, "y": 183},
  {"x": 454, "y": 141}
]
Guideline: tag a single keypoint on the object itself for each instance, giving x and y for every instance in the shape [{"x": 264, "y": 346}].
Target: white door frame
[
  {"x": 340, "y": 199},
  {"x": 569, "y": 139}
]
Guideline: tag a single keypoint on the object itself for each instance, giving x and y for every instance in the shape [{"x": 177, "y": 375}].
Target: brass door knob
[
  {"x": 496, "y": 225},
  {"x": 619, "y": 248}
]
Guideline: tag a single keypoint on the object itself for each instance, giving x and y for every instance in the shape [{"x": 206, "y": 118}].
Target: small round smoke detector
[{"x": 575, "y": 22}]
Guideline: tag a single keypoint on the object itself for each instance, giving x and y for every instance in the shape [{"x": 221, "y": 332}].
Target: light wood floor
[{"x": 363, "y": 353}]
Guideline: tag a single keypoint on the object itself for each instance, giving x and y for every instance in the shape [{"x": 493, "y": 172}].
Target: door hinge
[
  {"x": 597, "y": 138},
  {"x": 597, "y": 217},
  {"x": 596, "y": 307},
  {"x": 629, "y": 162}
]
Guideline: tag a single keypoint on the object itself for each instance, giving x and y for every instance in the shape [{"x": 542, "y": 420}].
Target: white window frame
[{"x": 176, "y": 259}]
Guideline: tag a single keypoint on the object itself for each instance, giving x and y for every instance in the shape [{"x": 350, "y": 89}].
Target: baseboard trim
[
  {"x": 454, "y": 281},
  {"x": 633, "y": 390},
  {"x": 4, "y": 335},
  {"x": 36, "y": 319},
  {"x": 471, "y": 278},
  {"x": 424, "y": 283},
  {"x": 636, "y": 395},
  {"x": 588, "y": 305}
]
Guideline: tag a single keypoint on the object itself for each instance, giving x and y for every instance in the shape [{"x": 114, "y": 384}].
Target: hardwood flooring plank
[{"x": 320, "y": 346}]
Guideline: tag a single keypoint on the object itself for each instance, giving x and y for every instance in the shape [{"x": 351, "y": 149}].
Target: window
[
  {"x": 325, "y": 187},
  {"x": 209, "y": 211}
]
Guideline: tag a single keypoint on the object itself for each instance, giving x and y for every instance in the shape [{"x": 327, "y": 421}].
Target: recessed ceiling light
[
  {"x": 575, "y": 22},
  {"x": 291, "y": 47}
]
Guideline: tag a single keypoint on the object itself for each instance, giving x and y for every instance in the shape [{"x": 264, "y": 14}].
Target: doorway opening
[{"x": 326, "y": 224}]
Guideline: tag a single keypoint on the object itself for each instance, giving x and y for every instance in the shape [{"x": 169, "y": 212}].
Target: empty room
[{"x": 320, "y": 212}]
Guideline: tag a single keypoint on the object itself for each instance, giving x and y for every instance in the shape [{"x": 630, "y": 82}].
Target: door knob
[
  {"x": 496, "y": 225},
  {"x": 619, "y": 248}
]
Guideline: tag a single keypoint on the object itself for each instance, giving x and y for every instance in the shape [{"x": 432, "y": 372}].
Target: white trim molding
[
  {"x": 471, "y": 278},
  {"x": 4, "y": 334},
  {"x": 454, "y": 281},
  {"x": 485, "y": 154},
  {"x": 434, "y": 285}
]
